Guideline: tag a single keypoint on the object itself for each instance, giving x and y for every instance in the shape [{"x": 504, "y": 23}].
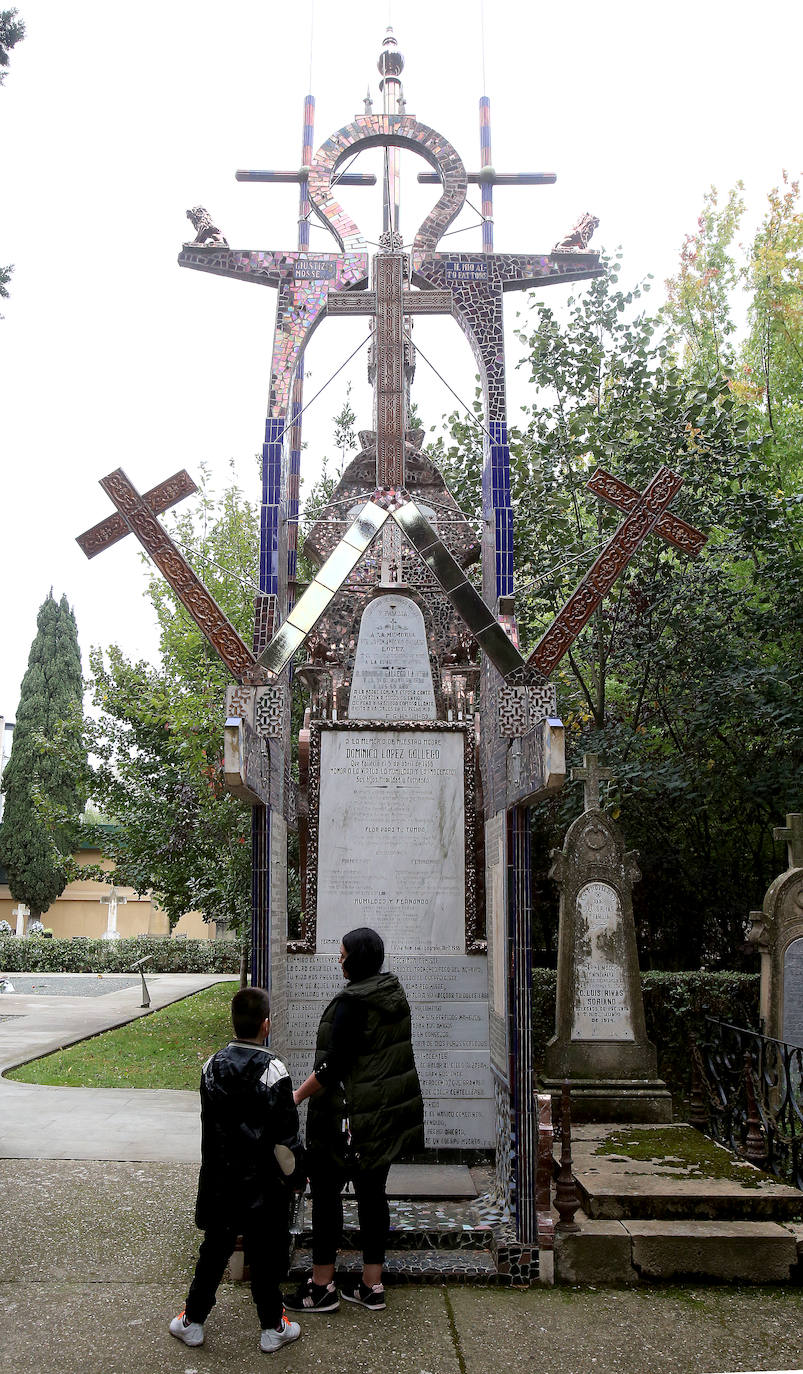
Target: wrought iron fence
[{"x": 747, "y": 1094}]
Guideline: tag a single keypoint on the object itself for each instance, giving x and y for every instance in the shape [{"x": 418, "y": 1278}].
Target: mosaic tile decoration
[
  {"x": 269, "y": 712},
  {"x": 518, "y": 709},
  {"x": 240, "y": 702}
]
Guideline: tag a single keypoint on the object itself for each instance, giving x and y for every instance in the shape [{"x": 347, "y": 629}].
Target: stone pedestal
[
  {"x": 777, "y": 933},
  {"x": 600, "y": 1043}
]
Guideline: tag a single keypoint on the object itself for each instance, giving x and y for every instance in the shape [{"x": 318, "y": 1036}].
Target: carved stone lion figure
[
  {"x": 206, "y": 231},
  {"x": 579, "y": 237}
]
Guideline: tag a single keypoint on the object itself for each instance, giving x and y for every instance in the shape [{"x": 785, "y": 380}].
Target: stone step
[
  {"x": 655, "y": 1173},
  {"x": 413, "y": 1266},
  {"x": 635, "y": 1251}
]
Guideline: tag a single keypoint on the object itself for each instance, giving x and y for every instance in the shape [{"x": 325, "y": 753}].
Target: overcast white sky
[{"x": 115, "y": 118}]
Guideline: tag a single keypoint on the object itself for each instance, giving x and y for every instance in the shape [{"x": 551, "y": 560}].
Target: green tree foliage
[
  {"x": 12, "y": 30},
  {"x": 688, "y": 679},
  {"x": 47, "y": 773},
  {"x": 158, "y": 738}
]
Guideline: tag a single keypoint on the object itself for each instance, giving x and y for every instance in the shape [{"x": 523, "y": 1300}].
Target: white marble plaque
[
  {"x": 601, "y": 1004},
  {"x": 792, "y": 1032},
  {"x": 392, "y": 678},
  {"x": 449, "y": 1012},
  {"x": 391, "y": 839}
]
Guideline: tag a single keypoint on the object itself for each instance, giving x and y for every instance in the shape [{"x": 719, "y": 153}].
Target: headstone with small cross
[{"x": 600, "y": 1042}]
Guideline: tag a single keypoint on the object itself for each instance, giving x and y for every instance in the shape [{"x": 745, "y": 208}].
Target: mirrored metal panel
[
  {"x": 440, "y": 562},
  {"x": 365, "y": 528},
  {"x": 281, "y": 648},
  {"x": 338, "y": 565},
  {"x": 470, "y": 605},
  {"x": 416, "y": 527},
  {"x": 310, "y": 606},
  {"x": 501, "y": 651}
]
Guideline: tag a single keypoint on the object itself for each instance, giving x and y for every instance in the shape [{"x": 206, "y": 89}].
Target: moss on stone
[{"x": 691, "y": 1154}]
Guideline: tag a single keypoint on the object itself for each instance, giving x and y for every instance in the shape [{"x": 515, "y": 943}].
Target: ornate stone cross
[
  {"x": 591, "y": 775},
  {"x": 792, "y": 832}
]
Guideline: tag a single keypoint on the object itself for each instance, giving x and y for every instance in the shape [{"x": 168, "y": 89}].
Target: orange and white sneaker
[
  {"x": 273, "y": 1339},
  {"x": 191, "y": 1333}
]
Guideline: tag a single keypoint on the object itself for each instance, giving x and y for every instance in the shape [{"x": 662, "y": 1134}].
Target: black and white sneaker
[
  {"x": 372, "y": 1298},
  {"x": 313, "y": 1297}
]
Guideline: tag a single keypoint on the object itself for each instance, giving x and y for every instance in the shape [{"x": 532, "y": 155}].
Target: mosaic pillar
[
  {"x": 522, "y": 1076},
  {"x": 260, "y": 896},
  {"x": 270, "y": 510}
]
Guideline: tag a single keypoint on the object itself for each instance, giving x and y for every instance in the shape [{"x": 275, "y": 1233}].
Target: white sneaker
[
  {"x": 191, "y": 1333},
  {"x": 274, "y": 1340}
]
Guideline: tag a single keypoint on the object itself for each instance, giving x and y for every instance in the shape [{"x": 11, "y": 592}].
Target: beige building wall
[{"x": 79, "y": 910}]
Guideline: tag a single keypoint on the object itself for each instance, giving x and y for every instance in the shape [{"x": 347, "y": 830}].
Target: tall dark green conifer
[{"x": 47, "y": 761}]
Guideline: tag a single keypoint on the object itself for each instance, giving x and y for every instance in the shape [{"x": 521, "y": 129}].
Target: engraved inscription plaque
[
  {"x": 601, "y": 1005},
  {"x": 793, "y": 994},
  {"x": 391, "y": 839},
  {"x": 392, "y": 679},
  {"x": 449, "y": 1011}
]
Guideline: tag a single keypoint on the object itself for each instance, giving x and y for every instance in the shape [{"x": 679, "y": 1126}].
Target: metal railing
[{"x": 747, "y": 1094}]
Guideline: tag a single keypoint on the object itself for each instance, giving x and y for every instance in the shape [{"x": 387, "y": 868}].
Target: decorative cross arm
[
  {"x": 208, "y": 616},
  {"x": 670, "y": 527},
  {"x": 158, "y": 499},
  {"x": 646, "y": 510}
]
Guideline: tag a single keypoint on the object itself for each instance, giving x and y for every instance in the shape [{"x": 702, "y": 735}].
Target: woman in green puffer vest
[{"x": 365, "y": 1111}]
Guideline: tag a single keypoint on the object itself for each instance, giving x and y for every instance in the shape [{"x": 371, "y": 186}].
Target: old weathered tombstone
[
  {"x": 777, "y": 933},
  {"x": 600, "y": 1043}
]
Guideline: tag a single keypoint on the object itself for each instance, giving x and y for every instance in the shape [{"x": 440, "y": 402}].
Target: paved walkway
[
  {"x": 96, "y": 1258},
  {"x": 97, "y": 1188},
  {"x": 92, "y": 1123}
]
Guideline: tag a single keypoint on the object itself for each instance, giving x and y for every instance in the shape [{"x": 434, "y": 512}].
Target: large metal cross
[
  {"x": 136, "y": 513},
  {"x": 389, "y": 303}
]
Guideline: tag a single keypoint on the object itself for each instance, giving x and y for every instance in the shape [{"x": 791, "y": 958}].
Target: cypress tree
[{"x": 47, "y": 760}]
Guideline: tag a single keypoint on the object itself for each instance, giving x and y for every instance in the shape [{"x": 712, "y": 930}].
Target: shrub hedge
[
  {"x": 118, "y": 956},
  {"x": 674, "y": 1007}
]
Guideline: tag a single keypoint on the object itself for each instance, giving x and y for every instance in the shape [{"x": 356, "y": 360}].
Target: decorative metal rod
[
  {"x": 567, "y": 1198},
  {"x": 346, "y": 179},
  {"x": 496, "y": 178}
]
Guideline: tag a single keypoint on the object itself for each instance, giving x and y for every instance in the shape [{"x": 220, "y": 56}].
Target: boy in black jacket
[{"x": 250, "y": 1148}]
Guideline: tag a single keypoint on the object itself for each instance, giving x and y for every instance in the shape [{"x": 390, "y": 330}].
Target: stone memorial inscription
[
  {"x": 601, "y": 1003},
  {"x": 392, "y": 678},
  {"x": 391, "y": 846},
  {"x": 792, "y": 1033},
  {"x": 449, "y": 1009}
]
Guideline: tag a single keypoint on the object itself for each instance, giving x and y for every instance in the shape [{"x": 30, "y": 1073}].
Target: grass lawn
[{"x": 164, "y": 1050}]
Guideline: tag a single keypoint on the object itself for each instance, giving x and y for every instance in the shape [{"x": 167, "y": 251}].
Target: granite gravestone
[
  {"x": 391, "y": 846},
  {"x": 777, "y": 933},
  {"x": 600, "y": 1042}
]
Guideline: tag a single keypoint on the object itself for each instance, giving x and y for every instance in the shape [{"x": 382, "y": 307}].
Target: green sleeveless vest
[{"x": 381, "y": 1097}]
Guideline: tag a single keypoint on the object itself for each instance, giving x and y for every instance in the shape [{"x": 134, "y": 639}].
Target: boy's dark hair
[
  {"x": 365, "y": 953},
  {"x": 249, "y": 1008}
]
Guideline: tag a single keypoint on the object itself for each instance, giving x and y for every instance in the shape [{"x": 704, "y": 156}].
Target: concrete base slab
[
  {"x": 746, "y": 1251},
  {"x": 620, "y": 1100},
  {"x": 599, "y": 1253},
  {"x": 430, "y": 1180}
]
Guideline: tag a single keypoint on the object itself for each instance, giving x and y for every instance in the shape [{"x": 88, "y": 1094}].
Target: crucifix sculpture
[{"x": 591, "y": 775}]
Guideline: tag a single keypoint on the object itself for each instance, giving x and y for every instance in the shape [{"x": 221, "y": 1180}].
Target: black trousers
[
  {"x": 266, "y": 1242},
  {"x": 326, "y": 1184}
]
